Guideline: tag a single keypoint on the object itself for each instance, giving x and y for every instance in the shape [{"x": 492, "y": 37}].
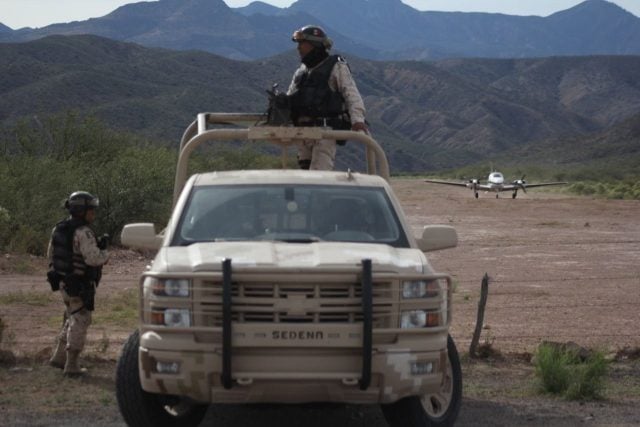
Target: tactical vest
[
  {"x": 313, "y": 97},
  {"x": 65, "y": 261}
]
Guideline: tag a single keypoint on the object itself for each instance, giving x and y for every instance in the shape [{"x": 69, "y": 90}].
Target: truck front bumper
[{"x": 295, "y": 374}]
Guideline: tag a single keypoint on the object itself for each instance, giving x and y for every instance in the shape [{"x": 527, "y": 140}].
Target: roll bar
[{"x": 254, "y": 128}]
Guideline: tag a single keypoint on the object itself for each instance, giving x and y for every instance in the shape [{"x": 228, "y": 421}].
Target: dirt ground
[{"x": 561, "y": 268}]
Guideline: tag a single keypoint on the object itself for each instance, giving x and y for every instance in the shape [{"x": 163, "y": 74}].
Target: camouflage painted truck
[{"x": 288, "y": 286}]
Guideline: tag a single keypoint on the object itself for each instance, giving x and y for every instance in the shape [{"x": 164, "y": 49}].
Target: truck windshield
[{"x": 291, "y": 213}]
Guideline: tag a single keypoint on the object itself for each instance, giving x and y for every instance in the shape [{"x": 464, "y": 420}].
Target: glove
[{"x": 103, "y": 241}]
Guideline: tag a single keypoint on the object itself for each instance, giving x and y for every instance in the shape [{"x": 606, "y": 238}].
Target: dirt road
[{"x": 562, "y": 268}]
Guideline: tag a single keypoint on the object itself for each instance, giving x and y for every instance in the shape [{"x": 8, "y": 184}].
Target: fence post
[{"x": 484, "y": 290}]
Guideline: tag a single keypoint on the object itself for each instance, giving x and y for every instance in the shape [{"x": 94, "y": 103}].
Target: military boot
[
  {"x": 59, "y": 357},
  {"x": 72, "y": 368}
]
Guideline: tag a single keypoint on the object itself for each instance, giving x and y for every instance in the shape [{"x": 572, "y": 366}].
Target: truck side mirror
[
  {"x": 435, "y": 237},
  {"x": 140, "y": 236}
]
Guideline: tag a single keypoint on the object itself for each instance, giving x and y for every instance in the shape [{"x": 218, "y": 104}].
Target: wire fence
[{"x": 594, "y": 311}]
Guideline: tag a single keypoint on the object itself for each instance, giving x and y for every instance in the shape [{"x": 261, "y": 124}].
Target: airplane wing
[
  {"x": 543, "y": 184},
  {"x": 435, "y": 181},
  {"x": 510, "y": 187}
]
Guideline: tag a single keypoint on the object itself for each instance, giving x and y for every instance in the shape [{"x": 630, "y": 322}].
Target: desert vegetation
[
  {"x": 563, "y": 371},
  {"x": 133, "y": 177}
]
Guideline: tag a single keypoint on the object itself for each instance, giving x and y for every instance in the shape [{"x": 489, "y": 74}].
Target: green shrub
[
  {"x": 133, "y": 178},
  {"x": 561, "y": 371},
  {"x": 27, "y": 239},
  {"x": 552, "y": 369},
  {"x": 588, "y": 383},
  {"x": 610, "y": 190}
]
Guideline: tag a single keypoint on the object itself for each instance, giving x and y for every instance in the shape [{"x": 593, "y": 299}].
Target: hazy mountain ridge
[
  {"x": 386, "y": 29},
  {"x": 427, "y": 115},
  {"x": 208, "y": 25},
  {"x": 258, "y": 7}
]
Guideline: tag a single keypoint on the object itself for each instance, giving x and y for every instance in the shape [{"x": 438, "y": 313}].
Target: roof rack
[{"x": 254, "y": 127}]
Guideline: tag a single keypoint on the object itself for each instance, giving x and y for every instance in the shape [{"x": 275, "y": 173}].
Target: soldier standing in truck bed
[{"x": 322, "y": 93}]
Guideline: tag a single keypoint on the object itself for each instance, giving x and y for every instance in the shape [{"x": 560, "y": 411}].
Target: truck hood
[{"x": 209, "y": 256}]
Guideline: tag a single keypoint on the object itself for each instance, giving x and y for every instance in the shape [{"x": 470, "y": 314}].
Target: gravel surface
[{"x": 562, "y": 268}]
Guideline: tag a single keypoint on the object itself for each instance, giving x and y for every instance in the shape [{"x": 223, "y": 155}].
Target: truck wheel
[
  {"x": 142, "y": 409},
  {"x": 435, "y": 410}
]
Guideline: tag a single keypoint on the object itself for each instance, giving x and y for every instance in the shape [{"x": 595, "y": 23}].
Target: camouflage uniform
[
  {"x": 77, "y": 318},
  {"x": 322, "y": 153}
]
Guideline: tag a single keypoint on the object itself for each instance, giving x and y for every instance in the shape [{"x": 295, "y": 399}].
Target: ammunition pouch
[
  {"x": 88, "y": 295},
  {"x": 94, "y": 274},
  {"x": 73, "y": 284},
  {"x": 54, "y": 280},
  {"x": 83, "y": 287},
  {"x": 340, "y": 123}
]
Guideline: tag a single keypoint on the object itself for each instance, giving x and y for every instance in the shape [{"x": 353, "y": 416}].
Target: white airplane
[{"x": 496, "y": 184}]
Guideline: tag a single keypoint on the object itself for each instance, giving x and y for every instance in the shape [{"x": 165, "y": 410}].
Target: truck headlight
[
  {"x": 413, "y": 289},
  {"x": 169, "y": 287},
  {"x": 419, "y": 319},
  {"x": 413, "y": 319},
  {"x": 176, "y": 287},
  {"x": 172, "y": 317}
]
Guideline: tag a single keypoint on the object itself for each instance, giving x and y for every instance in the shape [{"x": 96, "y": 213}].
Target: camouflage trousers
[
  {"x": 76, "y": 322},
  {"x": 322, "y": 153}
]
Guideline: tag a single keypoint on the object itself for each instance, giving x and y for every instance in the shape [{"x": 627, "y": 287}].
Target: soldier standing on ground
[
  {"x": 322, "y": 93},
  {"x": 76, "y": 260}
]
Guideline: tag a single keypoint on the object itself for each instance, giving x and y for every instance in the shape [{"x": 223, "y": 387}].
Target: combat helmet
[
  {"x": 79, "y": 201},
  {"x": 314, "y": 35}
]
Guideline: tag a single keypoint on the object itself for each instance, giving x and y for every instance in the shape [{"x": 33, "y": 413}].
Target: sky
[{"x": 39, "y": 13}]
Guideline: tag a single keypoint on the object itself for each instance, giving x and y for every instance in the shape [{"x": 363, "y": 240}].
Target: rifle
[{"x": 279, "y": 110}]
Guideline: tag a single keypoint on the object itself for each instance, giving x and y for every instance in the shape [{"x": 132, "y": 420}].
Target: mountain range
[
  {"x": 371, "y": 29},
  {"x": 428, "y": 115}
]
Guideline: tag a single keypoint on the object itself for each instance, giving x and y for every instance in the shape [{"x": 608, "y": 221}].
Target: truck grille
[{"x": 294, "y": 303}]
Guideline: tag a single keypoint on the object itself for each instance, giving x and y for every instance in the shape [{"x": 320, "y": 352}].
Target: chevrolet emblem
[{"x": 296, "y": 305}]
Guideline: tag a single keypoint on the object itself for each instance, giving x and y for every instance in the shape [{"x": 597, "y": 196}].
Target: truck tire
[
  {"x": 437, "y": 410},
  {"x": 142, "y": 409}
]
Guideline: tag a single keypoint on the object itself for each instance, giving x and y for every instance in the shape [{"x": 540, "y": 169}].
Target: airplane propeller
[
  {"x": 474, "y": 183},
  {"x": 521, "y": 183}
]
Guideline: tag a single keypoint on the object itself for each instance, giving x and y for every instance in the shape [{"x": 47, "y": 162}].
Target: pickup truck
[{"x": 288, "y": 286}]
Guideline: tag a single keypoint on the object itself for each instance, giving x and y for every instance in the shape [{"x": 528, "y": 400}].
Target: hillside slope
[{"x": 429, "y": 115}]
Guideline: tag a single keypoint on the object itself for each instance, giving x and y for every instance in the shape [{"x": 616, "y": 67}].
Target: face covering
[{"x": 316, "y": 56}]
